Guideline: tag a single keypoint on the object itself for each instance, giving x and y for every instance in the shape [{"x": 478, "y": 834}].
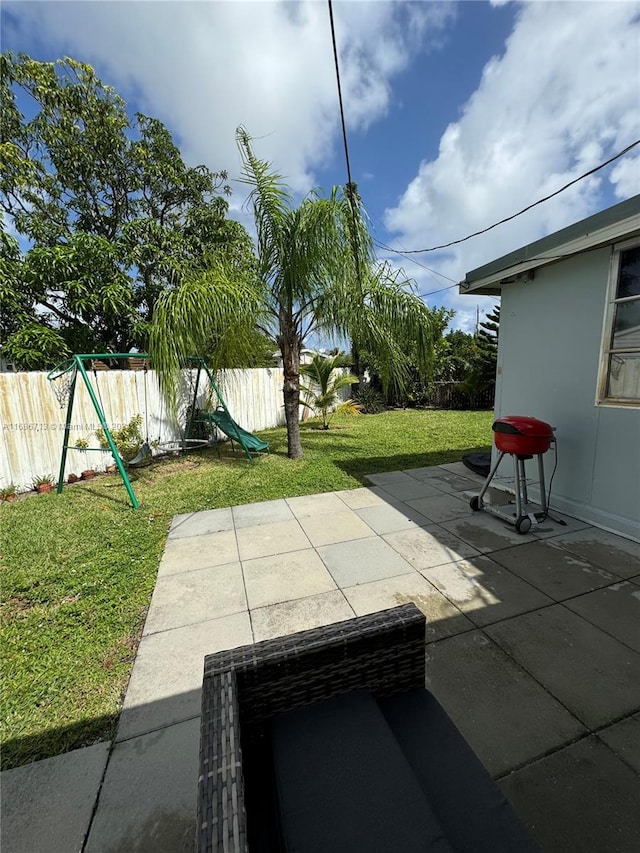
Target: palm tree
[
  {"x": 325, "y": 383},
  {"x": 316, "y": 274}
]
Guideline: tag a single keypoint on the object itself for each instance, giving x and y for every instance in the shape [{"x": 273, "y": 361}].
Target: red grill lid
[{"x": 522, "y": 425}]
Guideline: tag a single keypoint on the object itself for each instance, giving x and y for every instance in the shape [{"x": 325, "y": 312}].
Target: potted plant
[
  {"x": 8, "y": 493},
  {"x": 72, "y": 478},
  {"x": 43, "y": 483},
  {"x": 127, "y": 440},
  {"x": 81, "y": 445}
]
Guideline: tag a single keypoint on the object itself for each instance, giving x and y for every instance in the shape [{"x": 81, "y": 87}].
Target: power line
[
  {"x": 344, "y": 124},
  {"x": 425, "y": 267},
  {"x": 413, "y": 260},
  {"x": 407, "y": 252},
  {"x": 348, "y": 164},
  {"x": 350, "y": 184},
  {"x": 524, "y": 209},
  {"x": 441, "y": 290}
]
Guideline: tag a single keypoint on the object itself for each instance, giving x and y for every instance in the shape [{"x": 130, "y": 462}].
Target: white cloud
[
  {"x": 626, "y": 176},
  {"x": 563, "y": 97},
  {"x": 205, "y": 68}
]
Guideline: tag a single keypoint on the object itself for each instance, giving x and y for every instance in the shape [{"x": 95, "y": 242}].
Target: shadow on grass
[
  {"x": 360, "y": 466},
  {"x": 110, "y": 485},
  {"x": 107, "y": 491},
  {"x": 56, "y": 740}
]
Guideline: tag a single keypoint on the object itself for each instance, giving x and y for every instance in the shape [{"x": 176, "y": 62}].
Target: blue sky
[{"x": 458, "y": 114}]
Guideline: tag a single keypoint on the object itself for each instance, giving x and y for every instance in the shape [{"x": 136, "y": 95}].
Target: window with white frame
[{"x": 620, "y": 374}]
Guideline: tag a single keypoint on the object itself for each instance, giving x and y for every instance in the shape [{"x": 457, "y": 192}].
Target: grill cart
[{"x": 522, "y": 438}]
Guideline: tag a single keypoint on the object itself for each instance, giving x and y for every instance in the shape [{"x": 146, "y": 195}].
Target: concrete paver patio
[{"x": 533, "y": 647}]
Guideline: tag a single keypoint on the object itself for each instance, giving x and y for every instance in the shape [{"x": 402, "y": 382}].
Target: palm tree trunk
[
  {"x": 290, "y": 348},
  {"x": 356, "y": 367}
]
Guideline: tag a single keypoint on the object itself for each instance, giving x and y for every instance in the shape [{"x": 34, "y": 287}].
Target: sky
[{"x": 458, "y": 113}]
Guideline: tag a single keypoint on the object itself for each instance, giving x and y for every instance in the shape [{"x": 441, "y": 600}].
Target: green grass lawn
[{"x": 78, "y": 569}]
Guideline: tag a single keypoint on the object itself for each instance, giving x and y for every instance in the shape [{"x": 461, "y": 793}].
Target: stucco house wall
[{"x": 548, "y": 361}]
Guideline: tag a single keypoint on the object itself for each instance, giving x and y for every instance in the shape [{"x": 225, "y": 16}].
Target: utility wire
[
  {"x": 350, "y": 184},
  {"x": 524, "y": 209},
  {"x": 407, "y": 252},
  {"x": 442, "y": 289},
  {"x": 424, "y": 267},
  {"x": 349, "y": 179},
  {"x": 344, "y": 125},
  {"x": 413, "y": 260}
]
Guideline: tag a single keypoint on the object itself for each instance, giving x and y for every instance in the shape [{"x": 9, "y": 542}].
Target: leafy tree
[
  {"x": 110, "y": 214},
  {"x": 483, "y": 372},
  {"x": 325, "y": 381},
  {"x": 316, "y": 273},
  {"x": 478, "y": 379},
  {"x": 454, "y": 356},
  {"x": 421, "y": 370}
]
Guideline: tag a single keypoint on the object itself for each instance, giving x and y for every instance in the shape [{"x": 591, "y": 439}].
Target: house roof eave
[{"x": 608, "y": 226}]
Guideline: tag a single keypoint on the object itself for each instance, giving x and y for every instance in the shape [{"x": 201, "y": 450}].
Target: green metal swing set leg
[
  {"x": 65, "y": 440},
  {"x": 107, "y": 433},
  {"x": 108, "y": 436}
]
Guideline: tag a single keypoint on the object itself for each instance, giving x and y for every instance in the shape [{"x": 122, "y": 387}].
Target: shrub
[
  {"x": 369, "y": 400},
  {"x": 127, "y": 440}
]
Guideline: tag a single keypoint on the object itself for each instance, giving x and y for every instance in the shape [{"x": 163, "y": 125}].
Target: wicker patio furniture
[{"x": 315, "y": 739}]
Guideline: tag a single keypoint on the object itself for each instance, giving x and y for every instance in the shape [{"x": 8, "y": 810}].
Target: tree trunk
[
  {"x": 357, "y": 368},
  {"x": 290, "y": 348}
]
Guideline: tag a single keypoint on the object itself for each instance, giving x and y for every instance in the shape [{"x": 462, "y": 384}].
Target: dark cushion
[
  {"x": 263, "y": 831},
  {"x": 474, "y": 814},
  {"x": 343, "y": 783}
]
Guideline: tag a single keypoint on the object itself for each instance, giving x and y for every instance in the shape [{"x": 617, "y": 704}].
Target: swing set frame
[{"x": 77, "y": 364}]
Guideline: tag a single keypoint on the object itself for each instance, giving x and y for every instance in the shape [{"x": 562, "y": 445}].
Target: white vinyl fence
[{"x": 32, "y": 421}]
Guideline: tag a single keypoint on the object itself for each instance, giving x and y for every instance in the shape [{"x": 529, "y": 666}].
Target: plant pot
[
  {"x": 44, "y": 488},
  {"x": 89, "y": 474},
  {"x": 72, "y": 478},
  {"x": 9, "y": 498}
]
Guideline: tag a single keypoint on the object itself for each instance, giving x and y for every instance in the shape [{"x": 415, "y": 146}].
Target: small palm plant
[
  {"x": 8, "y": 493},
  {"x": 325, "y": 380},
  {"x": 43, "y": 483}
]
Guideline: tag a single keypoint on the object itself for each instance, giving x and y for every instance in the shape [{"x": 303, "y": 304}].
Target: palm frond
[
  {"x": 214, "y": 306},
  {"x": 380, "y": 314},
  {"x": 271, "y": 205},
  {"x": 349, "y": 407}
]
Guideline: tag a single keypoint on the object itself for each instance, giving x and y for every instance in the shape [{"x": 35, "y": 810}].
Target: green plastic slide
[{"x": 223, "y": 421}]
